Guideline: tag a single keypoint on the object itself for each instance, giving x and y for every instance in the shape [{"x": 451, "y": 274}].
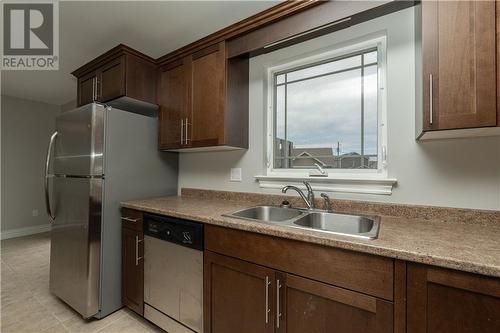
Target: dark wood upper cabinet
[
  {"x": 173, "y": 101},
  {"x": 112, "y": 80},
  {"x": 203, "y": 101},
  {"x": 459, "y": 79},
  {"x": 122, "y": 77},
  {"x": 441, "y": 300},
  {"x": 206, "y": 120},
  {"x": 132, "y": 260},
  {"x": 87, "y": 88}
]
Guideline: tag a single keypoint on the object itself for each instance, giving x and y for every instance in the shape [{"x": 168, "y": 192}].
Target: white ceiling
[{"x": 89, "y": 28}]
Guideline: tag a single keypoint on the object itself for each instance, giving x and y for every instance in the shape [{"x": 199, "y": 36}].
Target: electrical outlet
[
  {"x": 34, "y": 212},
  {"x": 235, "y": 174}
]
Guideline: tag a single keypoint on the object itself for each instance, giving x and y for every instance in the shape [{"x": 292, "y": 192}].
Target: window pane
[
  {"x": 280, "y": 112},
  {"x": 329, "y": 67},
  {"x": 370, "y": 58},
  {"x": 325, "y": 114},
  {"x": 371, "y": 116},
  {"x": 281, "y": 148}
]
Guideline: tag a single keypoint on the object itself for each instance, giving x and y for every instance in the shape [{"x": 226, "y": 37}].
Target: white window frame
[{"x": 373, "y": 181}]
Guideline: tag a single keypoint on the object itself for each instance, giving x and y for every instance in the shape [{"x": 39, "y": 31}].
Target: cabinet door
[
  {"x": 133, "y": 270},
  {"x": 172, "y": 98},
  {"x": 442, "y": 300},
  {"x": 111, "y": 80},
  {"x": 238, "y": 296},
  {"x": 305, "y": 305},
  {"x": 459, "y": 82},
  {"x": 87, "y": 89},
  {"x": 206, "y": 121}
]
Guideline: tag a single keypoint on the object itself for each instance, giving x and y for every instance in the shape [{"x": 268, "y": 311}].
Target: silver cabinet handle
[
  {"x": 94, "y": 95},
  {"x": 267, "y": 299},
  {"x": 430, "y": 99},
  {"x": 47, "y": 176},
  {"x": 129, "y": 219},
  {"x": 96, "y": 89},
  {"x": 278, "y": 311},
  {"x": 182, "y": 131},
  {"x": 186, "y": 127},
  {"x": 93, "y": 89},
  {"x": 137, "y": 258}
]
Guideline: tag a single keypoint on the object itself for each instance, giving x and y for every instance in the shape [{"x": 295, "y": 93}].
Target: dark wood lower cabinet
[
  {"x": 132, "y": 262},
  {"x": 258, "y": 284},
  {"x": 238, "y": 294},
  {"x": 314, "y": 307},
  {"x": 441, "y": 301}
]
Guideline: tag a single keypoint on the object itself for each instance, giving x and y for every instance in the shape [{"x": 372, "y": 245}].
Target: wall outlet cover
[
  {"x": 235, "y": 175},
  {"x": 34, "y": 212}
]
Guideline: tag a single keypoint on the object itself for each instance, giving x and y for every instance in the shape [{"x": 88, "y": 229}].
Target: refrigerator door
[
  {"x": 76, "y": 241},
  {"x": 79, "y": 145}
]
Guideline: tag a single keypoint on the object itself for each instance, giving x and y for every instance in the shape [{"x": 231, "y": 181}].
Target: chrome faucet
[
  {"x": 310, "y": 194},
  {"x": 309, "y": 199}
]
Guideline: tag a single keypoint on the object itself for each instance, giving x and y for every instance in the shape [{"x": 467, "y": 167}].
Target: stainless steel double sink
[{"x": 340, "y": 224}]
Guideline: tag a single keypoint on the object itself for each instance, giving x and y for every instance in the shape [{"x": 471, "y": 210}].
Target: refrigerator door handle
[{"x": 47, "y": 176}]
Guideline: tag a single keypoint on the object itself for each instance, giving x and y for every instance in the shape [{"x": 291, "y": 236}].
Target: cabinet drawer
[
  {"x": 132, "y": 219},
  {"x": 365, "y": 273}
]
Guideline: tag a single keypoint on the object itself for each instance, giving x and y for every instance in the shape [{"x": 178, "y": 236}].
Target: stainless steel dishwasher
[{"x": 173, "y": 273}]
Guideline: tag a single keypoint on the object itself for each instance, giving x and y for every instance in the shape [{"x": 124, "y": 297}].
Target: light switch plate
[{"x": 235, "y": 175}]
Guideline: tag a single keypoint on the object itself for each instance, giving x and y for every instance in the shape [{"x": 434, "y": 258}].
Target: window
[{"x": 328, "y": 112}]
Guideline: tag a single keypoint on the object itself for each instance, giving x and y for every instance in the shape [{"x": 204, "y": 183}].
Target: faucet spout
[
  {"x": 309, "y": 204},
  {"x": 310, "y": 194}
]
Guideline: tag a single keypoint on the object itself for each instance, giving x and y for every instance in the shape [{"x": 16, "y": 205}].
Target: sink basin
[
  {"x": 342, "y": 224},
  {"x": 321, "y": 221},
  {"x": 267, "y": 214}
]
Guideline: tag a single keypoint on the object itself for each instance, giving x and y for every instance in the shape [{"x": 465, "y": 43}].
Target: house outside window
[{"x": 328, "y": 111}]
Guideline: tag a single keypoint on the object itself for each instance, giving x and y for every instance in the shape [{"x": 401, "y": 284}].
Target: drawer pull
[{"x": 129, "y": 219}]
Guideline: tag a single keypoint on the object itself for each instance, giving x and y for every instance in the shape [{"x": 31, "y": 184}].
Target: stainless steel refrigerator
[{"x": 98, "y": 157}]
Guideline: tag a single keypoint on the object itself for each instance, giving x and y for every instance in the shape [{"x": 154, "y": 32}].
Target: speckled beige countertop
[{"x": 472, "y": 247}]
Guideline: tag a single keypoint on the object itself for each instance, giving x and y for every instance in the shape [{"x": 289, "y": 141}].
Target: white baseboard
[{"x": 13, "y": 233}]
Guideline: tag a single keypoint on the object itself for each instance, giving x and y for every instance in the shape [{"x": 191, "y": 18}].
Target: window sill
[{"x": 365, "y": 185}]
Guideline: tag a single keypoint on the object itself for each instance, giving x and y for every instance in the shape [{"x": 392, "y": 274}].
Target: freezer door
[
  {"x": 79, "y": 145},
  {"x": 75, "y": 243}
]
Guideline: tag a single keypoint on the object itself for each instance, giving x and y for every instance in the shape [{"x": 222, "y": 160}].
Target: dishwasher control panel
[{"x": 174, "y": 230}]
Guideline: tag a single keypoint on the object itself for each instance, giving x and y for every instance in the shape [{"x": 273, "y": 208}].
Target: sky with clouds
[{"x": 326, "y": 110}]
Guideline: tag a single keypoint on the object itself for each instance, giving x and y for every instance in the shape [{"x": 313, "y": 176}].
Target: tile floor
[{"x": 27, "y": 305}]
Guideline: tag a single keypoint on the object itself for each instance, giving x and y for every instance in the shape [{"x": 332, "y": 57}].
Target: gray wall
[
  {"x": 68, "y": 106},
  {"x": 25, "y": 128},
  {"x": 455, "y": 173}
]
